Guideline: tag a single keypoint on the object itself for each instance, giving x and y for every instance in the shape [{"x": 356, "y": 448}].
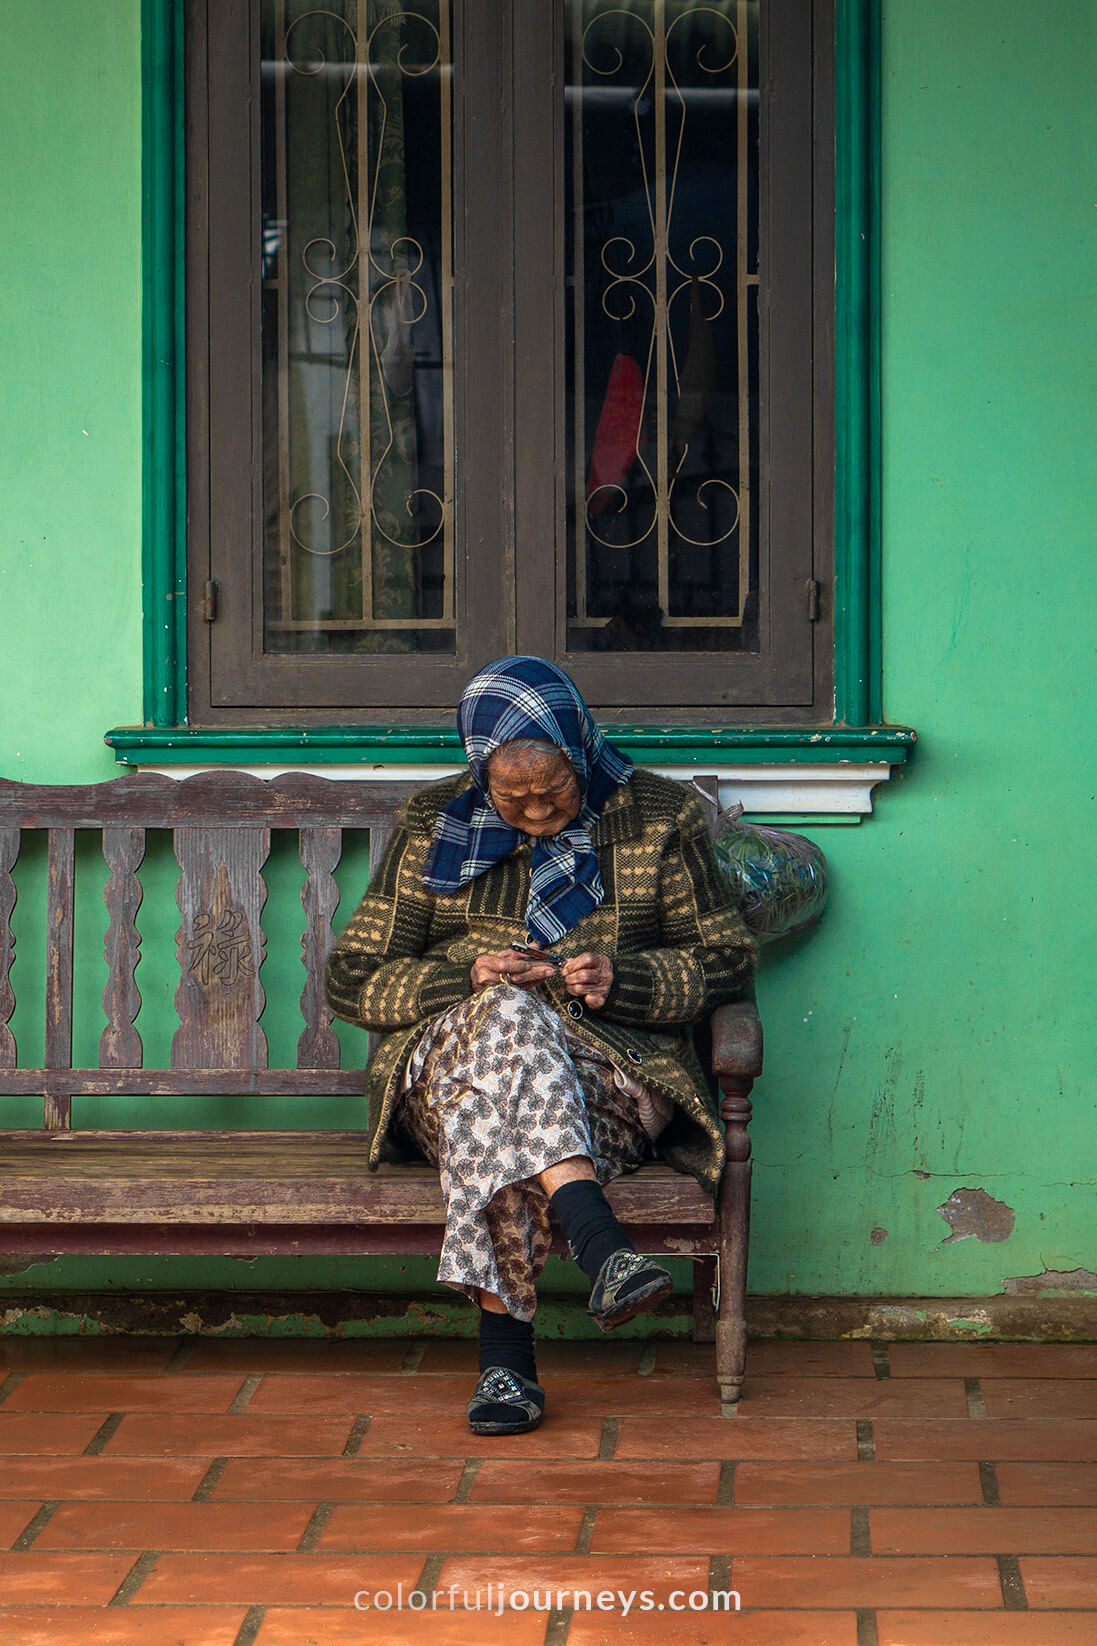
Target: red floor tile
[
  {"x": 703, "y": 1628},
  {"x": 14, "y": 1517},
  {"x": 86, "y": 1354},
  {"x": 499, "y": 1482},
  {"x": 993, "y": 1360},
  {"x": 60, "y": 1434},
  {"x": 257, "y": 1526},
  {"x": 136, "y": 1480},
  {"x": 1030, "y": 1439},
  {"x": 976, "y": 1629},
  {"x": 78, "y": 1626},
  {"x": 984, "y": 1531},
  {"x": 675, "y": 1356},
  {"x": 229, "y": 1435},
  {"x": 459, "y": 1356},
  {"x": 109, "y": 1392},
  {"x": 339, "y": 1480},
  {"x": 302, "y": 1355},
  {"x": 1050, "y": 1483},
  {"x": 65, "y": 1579},
  {"x": 296, "y": 1628},
  {"x": 1039, "y": 1397},
  {"x": 858, "y": 1397},
  {"x": 429, "y": 1396},
  {"x": 867, "y": 1581},
  {"x": 736, "y": 1437},
  {"x": 485, "y": 1575},
  {"x": 452, "y": 1526},
  {"x": 850, "y": 1483},
  {"x": 1063, "y": 1580},
  {"x": 273, "y": 1580},
  {"x": 722, "y": 1531},
  {"x": 398, "y": 1436}
]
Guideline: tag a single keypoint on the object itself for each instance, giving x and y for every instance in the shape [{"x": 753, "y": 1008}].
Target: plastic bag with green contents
[{"x": 779, "y": 879}]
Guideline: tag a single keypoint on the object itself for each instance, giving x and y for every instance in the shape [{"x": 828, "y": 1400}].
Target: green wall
[{"x": 933, "y": 1034}]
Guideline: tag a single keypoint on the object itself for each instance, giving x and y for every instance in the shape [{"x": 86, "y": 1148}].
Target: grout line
[
  {"x": 106, "y": 1431},
  {"x": 866, "y": 1628},
  {"x": 719, "y": 1573},
  {"x": 180, "y": 1355},
  {"x": 357, "y": 1434},
  {"x": 586, "y": 1531},
  {"x": 988, "y": 1480},
  {"x": 134, "y": 1578},
  {"x": 10, "y": 1384},
  {"x": 860, "y": 1533},
  {"x": 37, "y": 1524},
  {"x": 607, "y": 1445},
  {"x": 250, "y": 1626},
  {"x": 866, "y": 1441},
  {"x": 310, "y": 1537},
  {"x": 976, "y": 1405},
  {"x": 725, "y": 1489},
  {"x": 467, "y": 1480},
  {"x": 417, "y": 1348},
  {"x": 559, "y": 1622},
  {"x": 204, "y": 1489},
  {"x": 1014, "y": 1598},
  {"x": 881, "y": 1365},
  {"x": 646, "y": 1363},
  {"x": 243, "y": 1395},
  {"x": 427, "y": 1582}
]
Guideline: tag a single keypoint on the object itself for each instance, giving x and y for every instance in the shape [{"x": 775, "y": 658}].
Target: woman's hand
[
  {"x": 508, "y": 967},
  {"x": 590, "y": 976}
]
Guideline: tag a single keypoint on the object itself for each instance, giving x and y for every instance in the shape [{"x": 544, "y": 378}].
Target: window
[{"x": 509, "y": 329}]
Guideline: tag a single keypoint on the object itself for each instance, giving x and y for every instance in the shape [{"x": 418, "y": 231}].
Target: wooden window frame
[{"x": 852, "y": 662}]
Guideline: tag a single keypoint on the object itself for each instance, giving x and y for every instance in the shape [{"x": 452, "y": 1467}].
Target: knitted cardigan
[{"x": 668, "y": 921}]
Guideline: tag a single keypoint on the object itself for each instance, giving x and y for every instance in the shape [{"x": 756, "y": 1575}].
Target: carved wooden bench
[{"x": 247, "y": 1193}]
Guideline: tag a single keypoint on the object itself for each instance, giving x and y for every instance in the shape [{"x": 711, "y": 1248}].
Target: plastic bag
[{"x": 779, "y": 879}]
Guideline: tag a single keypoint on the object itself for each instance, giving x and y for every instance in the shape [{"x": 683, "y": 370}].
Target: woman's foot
[
  {"x": 503, "y": 1403},
  {"x": 627, "y": 1284}
]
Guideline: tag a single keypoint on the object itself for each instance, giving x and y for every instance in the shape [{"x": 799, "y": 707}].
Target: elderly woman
[{"x": 541, "y": 933}]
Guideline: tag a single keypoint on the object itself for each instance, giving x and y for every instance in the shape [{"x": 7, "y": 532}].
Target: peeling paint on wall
[
  {"x": 1051, "y": 1280},
  {"x": 972, "y": 1214}
]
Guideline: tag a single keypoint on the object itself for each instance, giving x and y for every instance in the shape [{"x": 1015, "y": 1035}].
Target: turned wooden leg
[{"x": 733, "y": 1217}]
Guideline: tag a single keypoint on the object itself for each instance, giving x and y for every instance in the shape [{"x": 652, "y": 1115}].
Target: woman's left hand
[{"x": 590, "y": 976}]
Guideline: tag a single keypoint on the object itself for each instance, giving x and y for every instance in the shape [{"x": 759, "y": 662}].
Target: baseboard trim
[{"x": 372, "y": 1314}]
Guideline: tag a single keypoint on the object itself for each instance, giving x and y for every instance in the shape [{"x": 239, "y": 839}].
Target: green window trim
[{"x": 856, "y": 733}]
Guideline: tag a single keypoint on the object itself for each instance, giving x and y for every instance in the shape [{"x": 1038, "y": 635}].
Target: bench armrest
[{"x": 737, "y": 1039}]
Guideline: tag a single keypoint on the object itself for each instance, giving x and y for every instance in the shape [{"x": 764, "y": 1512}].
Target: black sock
[
  {"x": 589, "y": 1226},
  {"x": 505, "y": 1341}
]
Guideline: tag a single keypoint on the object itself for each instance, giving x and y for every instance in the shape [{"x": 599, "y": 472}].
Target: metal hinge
[
  {"x": 207, "y": 606},
  {"x": 813, "y": 600}
]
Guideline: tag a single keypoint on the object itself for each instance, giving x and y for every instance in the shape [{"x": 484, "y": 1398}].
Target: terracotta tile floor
[{"x": 167, "y": 1492}]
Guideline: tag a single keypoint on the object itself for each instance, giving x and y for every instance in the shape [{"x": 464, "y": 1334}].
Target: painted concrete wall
[{"x": 936, "y": 1035}]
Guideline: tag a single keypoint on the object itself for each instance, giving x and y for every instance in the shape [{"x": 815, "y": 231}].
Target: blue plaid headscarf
[{"x": 528, "y": 697}]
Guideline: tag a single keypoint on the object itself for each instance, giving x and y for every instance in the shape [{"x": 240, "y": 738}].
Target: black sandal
[
  {"x": 505, "y": 1404},
  {"x": 627, "y": 1284}
]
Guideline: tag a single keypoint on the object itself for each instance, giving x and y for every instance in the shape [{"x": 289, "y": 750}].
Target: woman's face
[{"x": 535, "y": 793}]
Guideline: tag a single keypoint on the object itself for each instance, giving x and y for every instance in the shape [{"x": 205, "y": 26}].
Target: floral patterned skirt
[{"x": 496, "y": 1090}]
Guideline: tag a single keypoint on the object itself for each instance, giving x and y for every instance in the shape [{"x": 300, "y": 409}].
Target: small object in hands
[{"x": 539, "y": 955}]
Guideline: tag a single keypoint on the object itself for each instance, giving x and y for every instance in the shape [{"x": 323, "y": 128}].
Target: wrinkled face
[{"x": 536, "y": 793}]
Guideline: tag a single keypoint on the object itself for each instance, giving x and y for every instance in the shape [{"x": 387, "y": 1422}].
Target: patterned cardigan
[{"x": 668, "y": 922}]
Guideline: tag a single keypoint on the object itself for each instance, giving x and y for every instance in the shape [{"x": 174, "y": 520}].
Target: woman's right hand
[{"x": 508, "y": 967}]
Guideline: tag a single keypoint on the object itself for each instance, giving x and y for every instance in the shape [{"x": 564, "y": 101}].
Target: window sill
[{"x": 824, "y": 772}]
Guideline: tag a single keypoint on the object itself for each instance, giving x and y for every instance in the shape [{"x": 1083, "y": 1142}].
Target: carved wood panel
[{"x": 220, "y": 948}]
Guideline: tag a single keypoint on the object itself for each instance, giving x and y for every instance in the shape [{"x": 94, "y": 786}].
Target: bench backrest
[{"x": 220, "y": 825}]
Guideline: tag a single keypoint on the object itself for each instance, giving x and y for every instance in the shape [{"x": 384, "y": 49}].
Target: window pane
[
  {"x": 357, "y": 332},
  {"x": 661, "y": 169}
]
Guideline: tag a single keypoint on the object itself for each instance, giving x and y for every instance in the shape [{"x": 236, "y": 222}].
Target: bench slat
[
  {"x": 120, "y": 1044},
  {"x": 183, "y": 1082},
  {"x": 220, "y": 949},
  {"x": 59, "y": 936},
  {"x": 320, "y": 849}
]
